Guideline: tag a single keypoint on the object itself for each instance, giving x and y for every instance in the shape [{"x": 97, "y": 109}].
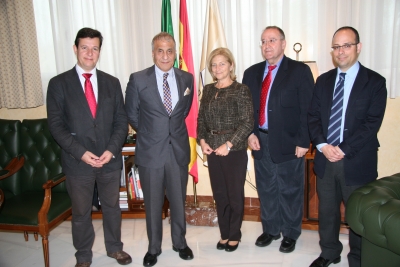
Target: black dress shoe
[
  {"x": 265, "y": 239},
  {"x": 230, "y": 248},
  {"x": 184, "y": 253},
  {"x": 150, "y": 259},
  {"x": 221, "y": 246},
  {"x": 287, "y": 245},
  {"x": 321, "y": 262}
]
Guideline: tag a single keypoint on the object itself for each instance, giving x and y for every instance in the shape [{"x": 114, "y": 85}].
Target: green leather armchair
[
  {"x": 35, "y": 196},
  {"x": 373, "y": 211}
]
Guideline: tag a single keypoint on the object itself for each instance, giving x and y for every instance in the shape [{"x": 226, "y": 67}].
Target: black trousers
[
  {"x": 80, "y": 190},
  {"x": 227, "y": 176},
  {"x": 171, "y": 179},
  {"x": 280, "y": 188},
  {"x": 332, "y": 189}
]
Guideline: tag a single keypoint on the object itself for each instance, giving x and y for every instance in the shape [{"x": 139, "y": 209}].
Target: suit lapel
[
  {"x": 358, "y": 86},
  {"x": 101, "y": 92},
  {"x": 330, "y": 84},
  {"x": 77, "y": 90},
  {"x": 259, "y": 75},
  {"x": 280, "y": 75},
  {"x": 152, "y": 85},
  {"x": 180, "y": 83}
]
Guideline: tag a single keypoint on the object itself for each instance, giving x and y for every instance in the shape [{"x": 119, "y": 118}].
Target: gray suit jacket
[
  {"x": 73, "y": 127},
  {"x": 155, "y": 129}
]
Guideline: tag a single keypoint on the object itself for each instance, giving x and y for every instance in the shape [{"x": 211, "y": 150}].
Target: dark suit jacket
[
  {"x": 156, "y": 130},
  {"x": 289, "y": 99},
  {"x": 364, "y": 115},
  {"x": 73, "y": 127}
]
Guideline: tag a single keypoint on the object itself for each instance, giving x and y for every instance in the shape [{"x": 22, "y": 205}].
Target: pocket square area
[{"x": 187, "y": 92}]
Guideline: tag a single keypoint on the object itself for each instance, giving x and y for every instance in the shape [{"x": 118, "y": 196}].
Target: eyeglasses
[
  {"x": 345, "y": 47},
  {"x": 268, "y": 42}
]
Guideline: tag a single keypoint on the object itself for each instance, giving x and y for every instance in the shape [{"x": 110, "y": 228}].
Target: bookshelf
[{"x": 136, "y": 207}]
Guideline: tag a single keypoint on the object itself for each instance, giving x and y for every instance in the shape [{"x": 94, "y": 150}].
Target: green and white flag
[{"x": 166, "y": 22}]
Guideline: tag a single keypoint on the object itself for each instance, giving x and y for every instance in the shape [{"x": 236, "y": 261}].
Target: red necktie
[
  {"x": 264, "y": 92},
  {"x": 89, "y": 93}
]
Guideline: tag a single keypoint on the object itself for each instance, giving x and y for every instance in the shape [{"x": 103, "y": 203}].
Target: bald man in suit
[
  {"x": 280, "y": 138},
  {"x": 346, "y": 113}
]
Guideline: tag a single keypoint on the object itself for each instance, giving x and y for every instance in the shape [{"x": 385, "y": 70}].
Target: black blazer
[
  {"x": 73, "y": 127},
  {"x": 364, "y": 115},
  {"x": 289, "y": 100}
]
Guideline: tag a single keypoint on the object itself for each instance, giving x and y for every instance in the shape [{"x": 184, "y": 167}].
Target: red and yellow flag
[{"x": 186, "y": 64}]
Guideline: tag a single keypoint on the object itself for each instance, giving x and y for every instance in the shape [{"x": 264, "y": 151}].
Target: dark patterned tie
[
  {"x": 167, "y": 95},
  {"x": 264, "y": 92},
  {"x": 89, "y": 93},
  {"x": 335, "y": 120}
]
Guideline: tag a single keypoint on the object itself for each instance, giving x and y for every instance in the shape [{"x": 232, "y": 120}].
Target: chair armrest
[
  {"x": 12, "y": 167},
  {"x": 59, "y": 178},
  {"x": 47, "y": 186}
]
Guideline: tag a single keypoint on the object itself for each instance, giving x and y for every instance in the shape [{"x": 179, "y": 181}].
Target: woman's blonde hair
[{"x": 225, "y": 52}]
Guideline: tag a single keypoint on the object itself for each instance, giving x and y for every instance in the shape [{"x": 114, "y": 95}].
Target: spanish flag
[{"x": 186, "y": 64}]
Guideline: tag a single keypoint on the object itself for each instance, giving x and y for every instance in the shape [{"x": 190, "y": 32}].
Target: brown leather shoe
[
  {"x": 122, "y": 257},
  {"x": 83, "y": 264}
]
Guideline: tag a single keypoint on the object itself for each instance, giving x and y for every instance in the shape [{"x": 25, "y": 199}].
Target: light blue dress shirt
[
  {"x": 171, "y": 82},
  {"x": 350, "y": 77}
]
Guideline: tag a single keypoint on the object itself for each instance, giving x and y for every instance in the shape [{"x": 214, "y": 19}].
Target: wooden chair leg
[
  {"x": 26, "y": 235},
  {"x": 45, "y": 243},
  {"x": 35, "y": 234}
]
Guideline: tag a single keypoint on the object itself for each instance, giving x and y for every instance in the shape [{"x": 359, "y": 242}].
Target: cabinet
[
  {"x": 136, "y": 207},
  {"x": 310, "y": 214}
]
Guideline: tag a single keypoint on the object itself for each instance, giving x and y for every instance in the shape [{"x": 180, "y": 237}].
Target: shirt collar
[
  {"x": 160, "y": 73},
  {"x": 81, "y": 71},
  {"x": 351, "y": 72},
  {"x": 277, "y": 65}
]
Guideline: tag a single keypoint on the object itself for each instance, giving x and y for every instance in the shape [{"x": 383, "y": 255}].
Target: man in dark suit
[
  {"x": 282, "y": 91},
  {"x": 344, "y": 118},
  {"x": 86, "y": 116},
  {"x": 157, "y": 101}
]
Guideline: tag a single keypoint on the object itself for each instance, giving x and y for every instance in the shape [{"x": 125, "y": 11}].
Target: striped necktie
[{"x": 335, "y": 120}]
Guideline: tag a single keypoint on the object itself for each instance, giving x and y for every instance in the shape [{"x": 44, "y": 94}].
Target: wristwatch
[{"x": 227, "y": 147}]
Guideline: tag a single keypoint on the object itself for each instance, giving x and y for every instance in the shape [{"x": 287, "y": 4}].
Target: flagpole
[{"x": 194, "y": 194}]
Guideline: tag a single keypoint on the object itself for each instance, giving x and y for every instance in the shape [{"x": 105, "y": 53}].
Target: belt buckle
[{"x": 213, "y": 132}]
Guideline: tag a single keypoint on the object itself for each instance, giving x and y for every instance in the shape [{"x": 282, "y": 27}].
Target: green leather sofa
[
  {"x": 35, "y": 196},
  {"x": 373, "y": 211}
]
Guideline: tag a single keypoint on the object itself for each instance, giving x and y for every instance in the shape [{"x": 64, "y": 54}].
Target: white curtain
[{"x": 129, "y": 25}]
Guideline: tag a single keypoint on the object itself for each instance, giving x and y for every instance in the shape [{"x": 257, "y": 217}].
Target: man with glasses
[
  {"x": 346, "y": 113},
  {"x": 281, "y": 89}
]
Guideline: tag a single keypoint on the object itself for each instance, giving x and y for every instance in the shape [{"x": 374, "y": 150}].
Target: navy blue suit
[
  {"x": 337, "y": 180},
  {"x": 279, "y": 173}
]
